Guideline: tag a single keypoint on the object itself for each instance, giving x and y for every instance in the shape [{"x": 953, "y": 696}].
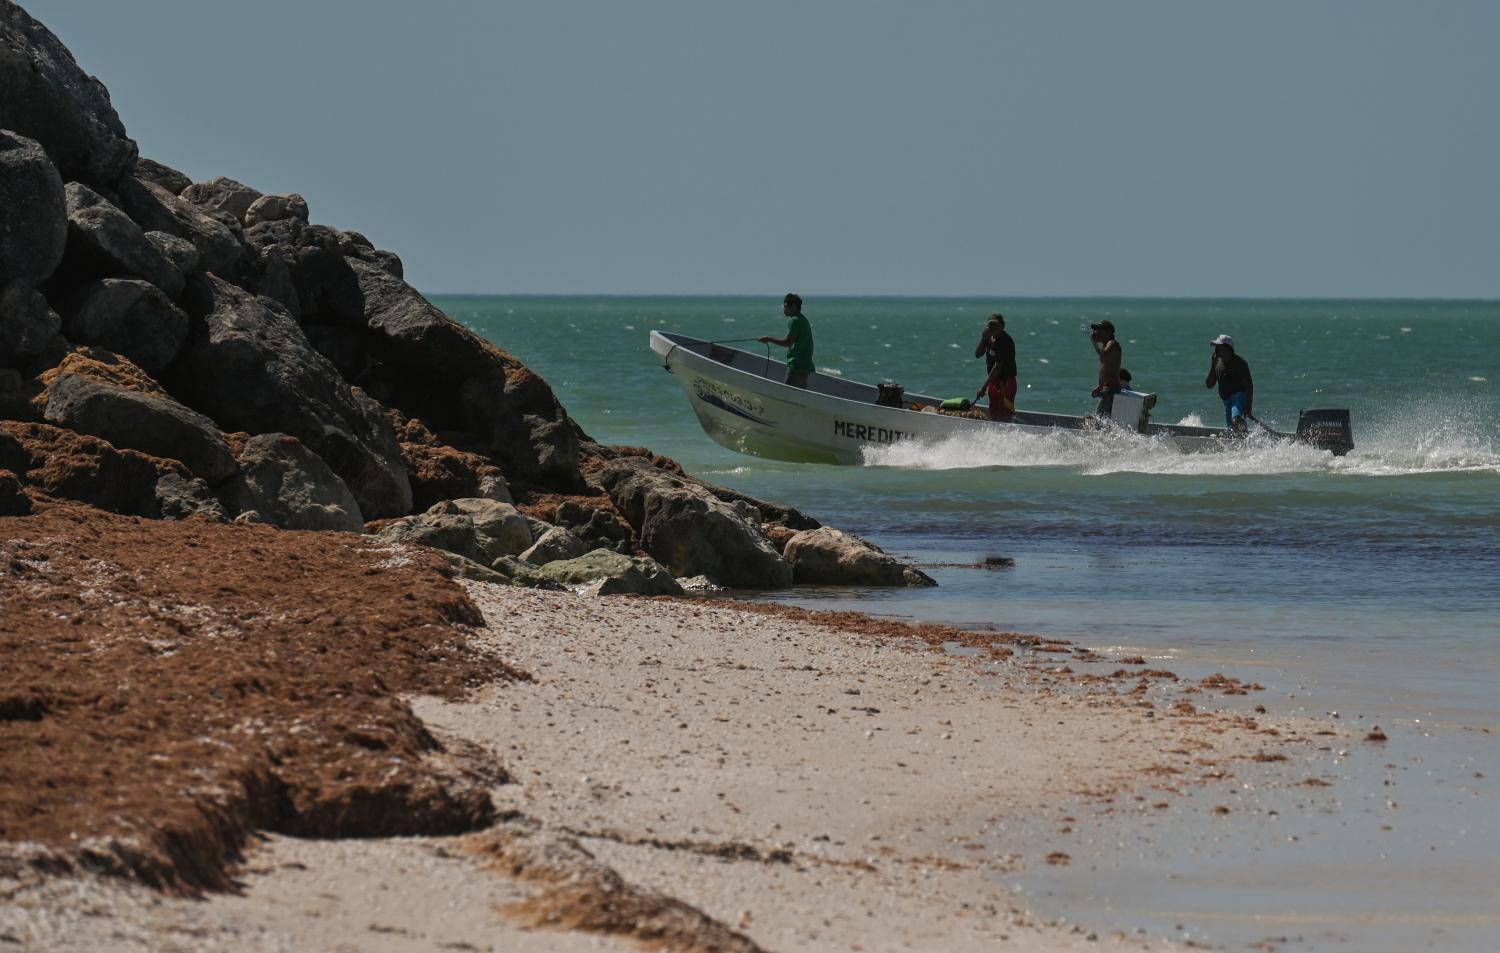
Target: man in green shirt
[{"x": 798, "y": 342}]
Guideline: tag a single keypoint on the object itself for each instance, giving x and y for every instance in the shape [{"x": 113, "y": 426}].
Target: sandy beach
[{"x": 696, "y": 776}]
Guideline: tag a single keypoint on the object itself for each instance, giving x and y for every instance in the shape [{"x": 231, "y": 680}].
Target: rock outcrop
[
  {"x": 248, "y": 366},
  {"x": 692, "y": 532},
  {"x": 44, "y": 95},
  {"x": 288, "y": 485},
  {"x": 606, "y": 573},
  {"x": 104, "y": 241},
  {"x": 30, "y": 331},
  {"x": 827, "y": 556},
  {"x": 129, "y": 317},
  {"x": 33, "y": 209}
]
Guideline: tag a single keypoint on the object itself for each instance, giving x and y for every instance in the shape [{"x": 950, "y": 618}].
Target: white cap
[{"x": 1223, "y": 339}]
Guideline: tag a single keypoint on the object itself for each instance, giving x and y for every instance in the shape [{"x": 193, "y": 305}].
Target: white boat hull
[{"x": 742, "y": 402}]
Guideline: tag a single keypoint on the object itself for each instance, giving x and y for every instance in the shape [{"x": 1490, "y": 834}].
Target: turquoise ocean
[{"x": 1369, "y": 582}]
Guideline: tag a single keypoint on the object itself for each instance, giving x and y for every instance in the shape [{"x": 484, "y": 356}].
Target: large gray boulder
[
  {"x": 449, "y": 532},
  {"x": 290, "y": 486},
  {"x": 431, "y": 367},
  {"x": 606, "y": 573},
  {"x": 30, "y": 332},
  {"x": 151, "y": 423},
  {"x": 275, "y": 208},
  {"x": 499, "y": 528},
  {"x": 481, "y": 530},
  {"x": 45, "y": 96},
  {"x": 220, "y": 249},
  {"x": 149, "y": 170},
  {"x": 104, "y": 240},
  {"x": 556, "y": 543},
  {"x": 248, "y": 366},
  {"x": 183, "y": 255},
  {"x": 180, "y": 498},
  {"x": 33, "y": 211},
  {"x": 222, "y": 195},
  {"x": 128, "y": 316},
  {"x": 692, "y": 532},
  {"x": 829, "y": 556},
  {"x": 326, "y": 288}
]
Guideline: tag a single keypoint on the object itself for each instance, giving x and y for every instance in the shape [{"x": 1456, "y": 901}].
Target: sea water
[{"x": 1368, "y": 583}]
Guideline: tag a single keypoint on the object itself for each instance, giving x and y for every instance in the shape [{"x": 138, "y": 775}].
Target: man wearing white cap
[{"x": 1236, "y": 389}]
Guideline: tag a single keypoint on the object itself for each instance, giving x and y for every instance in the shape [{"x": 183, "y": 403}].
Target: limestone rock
[
  {"x": 596, "y": 526},
  {"x": 45, "y": 96},
  {"x": 522, "y": 573},
  {"x": 104, "y": 240},
  {"x": 832, "y": 557},
  {"x": 557, "y": 543},
  {"x": 222, "y": 195},
  {"x": 248, "y": 366},
  {"x": 149, "y": 170},
  {"x": 30, "y": 338},
  {"x": 433, "y": 368},
  {"x": 127, "y": 316},
  {"x": 33, "y": 211},
  {"x": 180, "y": 498},
  {"x": 607, "y": 573},
  {"x": 274, "y": 208},
  {"x": 290, "y": 486},
  {"x": 220, "y": 250},
  {"x": 180, "y": 252},
  {"x": 451, "y": 532},
  {"x": 690, "y": 530},
  {"x": 154, "y": 424},
  {"x": 499, "y": 528}
]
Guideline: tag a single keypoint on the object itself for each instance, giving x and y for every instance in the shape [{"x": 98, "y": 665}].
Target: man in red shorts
[{"x": 1000, "y": 358}]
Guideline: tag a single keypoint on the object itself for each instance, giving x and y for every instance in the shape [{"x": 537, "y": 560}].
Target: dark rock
[
  {"x": 832, "y": 557},
  {"x": 74, "y": 466},
  {"x": 691, "y": 531},
  {"x": 149, "y": 170},
  {"x": 30, "y": 338},
  {"x": 129, "y": 317},
  {"x": 45, "y": 96},
  {"x": 275, "y": 208},
  {"x": 154, "y": 424},
  {"x": 33, "y": 210},
  {"x": 179, "y": 498},
  {"x": 606, "y": 573},
  {"x": 599, "y": 528},
  {"x": 222, "y": 195},
  {"x": 13, "y": 499},
  {"x": 248, "y": 366},
  {"x": 481, "y": 530},
  {"x": 436, "y": 369},
  {"x": 327, "y": 289},
  {"x": 269, "y": 275},
  {"x": 104, "y": 240},
  {"x": 220, "y": 250},
  {"x": 290, "y": 486},
  {"x": 179, "y": 251},
  {"x": 521, "y": 573}
]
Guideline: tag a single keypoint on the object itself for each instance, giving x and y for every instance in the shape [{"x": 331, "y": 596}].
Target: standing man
[
  {"x": 1236, "y": 389},
  {"x": 999, "y": 352},
  {"x": 1110, "y": 355},
  {"x": 798, "y": 342}
]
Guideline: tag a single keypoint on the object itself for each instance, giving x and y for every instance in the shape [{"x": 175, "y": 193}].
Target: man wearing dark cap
[
  {"x": 1110, "y": 354},
  {"x": 999, "y": 351},
  {"x": 798, "y": 342},
  {"x": 1236, "y": 389}
]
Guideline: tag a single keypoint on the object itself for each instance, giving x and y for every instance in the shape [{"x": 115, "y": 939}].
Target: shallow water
[{"x": 1368, "y": 583}]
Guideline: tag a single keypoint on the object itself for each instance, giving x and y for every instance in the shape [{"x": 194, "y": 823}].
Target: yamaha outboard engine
[{"x": 1327, "y": 430}]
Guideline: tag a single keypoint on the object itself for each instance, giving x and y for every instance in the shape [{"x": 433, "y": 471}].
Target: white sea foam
[{"x": 1428, "y": 440}]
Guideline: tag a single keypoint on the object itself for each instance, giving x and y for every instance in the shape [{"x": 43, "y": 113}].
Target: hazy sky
[{"x": 1051, "y": 148}]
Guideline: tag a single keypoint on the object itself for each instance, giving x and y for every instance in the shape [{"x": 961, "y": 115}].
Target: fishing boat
[{"x": 743, "y": 402}]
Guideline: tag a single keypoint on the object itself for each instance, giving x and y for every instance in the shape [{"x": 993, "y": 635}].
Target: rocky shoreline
[{"x": 294, "y": 566}]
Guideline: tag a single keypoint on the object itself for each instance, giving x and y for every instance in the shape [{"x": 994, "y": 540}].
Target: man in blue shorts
[{"x": 1236, "y": 389}]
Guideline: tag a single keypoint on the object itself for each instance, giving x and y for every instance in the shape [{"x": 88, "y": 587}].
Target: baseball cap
[
  {"x": 1223, "y": 339},
  {"x": 1103, "y": 326}
]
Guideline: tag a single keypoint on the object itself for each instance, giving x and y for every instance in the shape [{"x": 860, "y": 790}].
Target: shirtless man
[{"x": 1110, "y": 355}]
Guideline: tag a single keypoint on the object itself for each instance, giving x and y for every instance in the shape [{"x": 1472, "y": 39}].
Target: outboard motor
[
  {"x": 1132, "y": 410},
  {"x": 1326, "y": 429}
]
